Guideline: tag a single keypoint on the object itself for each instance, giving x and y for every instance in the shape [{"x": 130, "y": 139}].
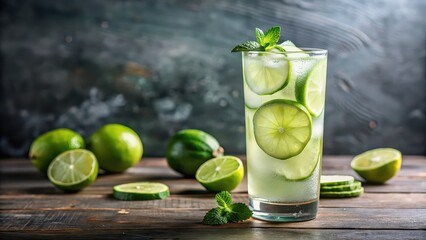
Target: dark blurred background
[{"x": 160, "y": 66}]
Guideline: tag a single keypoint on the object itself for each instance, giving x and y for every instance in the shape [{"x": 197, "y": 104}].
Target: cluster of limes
[{"x": 71, "y": 165}]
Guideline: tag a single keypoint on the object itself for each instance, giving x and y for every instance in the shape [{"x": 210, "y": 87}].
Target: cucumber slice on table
[
  {"x": 340, "y": 188},
  {"x": 141, "y": 191},
  {"x": 343, "y": 194},
  {"x": 334, "y": 180}
]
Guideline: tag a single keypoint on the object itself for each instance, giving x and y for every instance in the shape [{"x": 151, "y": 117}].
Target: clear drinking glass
[{"x": 284, "y": 95}]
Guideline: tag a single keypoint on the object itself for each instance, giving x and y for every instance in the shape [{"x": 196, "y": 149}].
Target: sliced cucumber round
[
  {"x": 344, "y": 194},
  {"x": 340, "y": 188},
  {"x": 334, "y": 180}
]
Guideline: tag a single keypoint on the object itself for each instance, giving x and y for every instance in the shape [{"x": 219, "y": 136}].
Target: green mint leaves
[
  {"x": 226, "y": 211},
  {"x": 264, "y": 41}
]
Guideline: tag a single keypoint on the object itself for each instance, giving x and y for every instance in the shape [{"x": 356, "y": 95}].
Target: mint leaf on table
[
  {"x": 248, "y": 46},
  {"x": 215, "y": 217},
  {"x": 223, "y": 199},
  {"x": 239, "y": 213},
  {"x": 226, "y": 211},
  {"x": 264, "y": 41}
]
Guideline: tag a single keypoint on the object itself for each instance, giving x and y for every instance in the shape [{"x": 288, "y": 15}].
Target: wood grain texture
[
  {"x": 224, "y": 233},
  {"x": 32, "y": 208}
]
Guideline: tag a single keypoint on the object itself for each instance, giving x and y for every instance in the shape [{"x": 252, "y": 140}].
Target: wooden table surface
[{"x": 32, "y": 208}]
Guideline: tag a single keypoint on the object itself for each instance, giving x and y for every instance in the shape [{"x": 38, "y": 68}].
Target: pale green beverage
[{"x": 284, "y": 95}]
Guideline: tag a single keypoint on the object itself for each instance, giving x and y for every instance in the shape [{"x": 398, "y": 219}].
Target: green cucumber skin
[
  {"x": 341, "y": 188},
  {"x": 137, "y": 196},
  {"x": 344, "y": 194},
  {"x": 190, "y": 148}
]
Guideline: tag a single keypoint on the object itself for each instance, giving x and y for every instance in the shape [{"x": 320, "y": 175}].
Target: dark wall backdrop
[{"x": 160, "y": 66}]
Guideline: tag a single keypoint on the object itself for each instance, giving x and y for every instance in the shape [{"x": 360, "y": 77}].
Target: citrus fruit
[
  {"x": 302, "y": 166},
  {"x": 282, "y": 128},
  {"x": 343, "y": 194},
  {"x": 116, "y": 147},
  {"x": 73, "y": 170},
  {"x": 265, "y": 74},
  {"x": 141, "y": 191},
  {"x": 310, "y": 91},
  {"x": 221, "y": 174},
  {"x": 377, "y": 165},
  {"x": 334, "y": 180},
  {"x": 50, "y": 144},
  {"x": 190, "y": 148}
]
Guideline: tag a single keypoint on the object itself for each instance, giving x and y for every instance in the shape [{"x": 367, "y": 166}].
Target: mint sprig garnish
[
  {"x": 264, "y": 41},
  {"x": 226, "y": 211}
]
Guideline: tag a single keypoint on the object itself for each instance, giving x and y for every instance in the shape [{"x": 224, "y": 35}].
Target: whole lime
[
  {"x": 116, "y": 147},
  {"x": 50, "y": 144},
  {"x": 190, "y": 148}
]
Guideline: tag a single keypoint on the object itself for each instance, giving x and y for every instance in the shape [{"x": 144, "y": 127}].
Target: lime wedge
[
  {"x": 73, "y": 170},
  {"x": 303, "y": 165},
  {"x": 377, "y": 165},
  {"x": 310, "y": 91},
  {"x": 141, "y": 191},
  {"x": 344, "y": 194},
  {"x": 340, "y": 188},
  {"x": 282, "y": 128},
  {"x": 334, "y": 180},
  {"x": 265, "y": 74},
  {"x": 221, "y": 173}
]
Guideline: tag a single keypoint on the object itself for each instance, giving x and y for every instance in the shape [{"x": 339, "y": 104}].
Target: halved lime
[
  {"x": 310, "y": 91},
  {"x": 334, "y": 180},
  {"x": 377, "y": 165},
  {"x": 340, "y": 188},
  {"x": 73, "y": 170},
  {"x": 282, "y": 128},
  {"x": 344, "y": 194},
  {"x": 141, "y": 191},
  {"x": 303, "y": 165},
  {"x": 221, "y": 173},
  {"x": 265, "y": 74}
]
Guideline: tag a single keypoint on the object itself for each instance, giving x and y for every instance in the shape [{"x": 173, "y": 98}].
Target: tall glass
[{"x": 284, "y": 95}]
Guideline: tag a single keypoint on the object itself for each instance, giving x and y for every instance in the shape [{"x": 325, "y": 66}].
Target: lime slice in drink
[
  {"x": 221, "y": 173},
  {"x": 282, "y": 128},
  {"x": 310, "y": 91},
  {"x": 340, "y": 188},
  {"x": 73, "y": 170},
  {"x": 141, "y": 191},
  {"x": 303, "y": 165},
  {"x": 344, "y": 194},
  {"x": 265, "y": 74},
  {"x": 377, "y": 165},
  {"x": 334, "y": 180}
]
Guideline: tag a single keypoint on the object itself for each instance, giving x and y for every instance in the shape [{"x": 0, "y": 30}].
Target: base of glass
[{"x": 283, "y": 212}]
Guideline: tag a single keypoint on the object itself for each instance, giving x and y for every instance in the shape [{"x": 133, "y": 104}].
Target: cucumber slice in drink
[
  {"x": 265, "y": 74},
  {"x": 282, "y": 128},
  {"x": 303, "y": 165},
  {"x": 141, "y": 191},
  {"x": 344, "y": 194},
  {"x": 310, "y": 91},
  {"x": 340, "y": 188},
  {"x": 334, "y": 180}
]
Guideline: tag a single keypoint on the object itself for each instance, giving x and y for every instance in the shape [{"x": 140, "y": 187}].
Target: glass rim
[{"x": 310, "y": 51}]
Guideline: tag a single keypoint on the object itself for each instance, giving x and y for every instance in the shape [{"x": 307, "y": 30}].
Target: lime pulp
[
  {"x": 73, "y": 170},
  {"x": 141, "y": 191}
]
